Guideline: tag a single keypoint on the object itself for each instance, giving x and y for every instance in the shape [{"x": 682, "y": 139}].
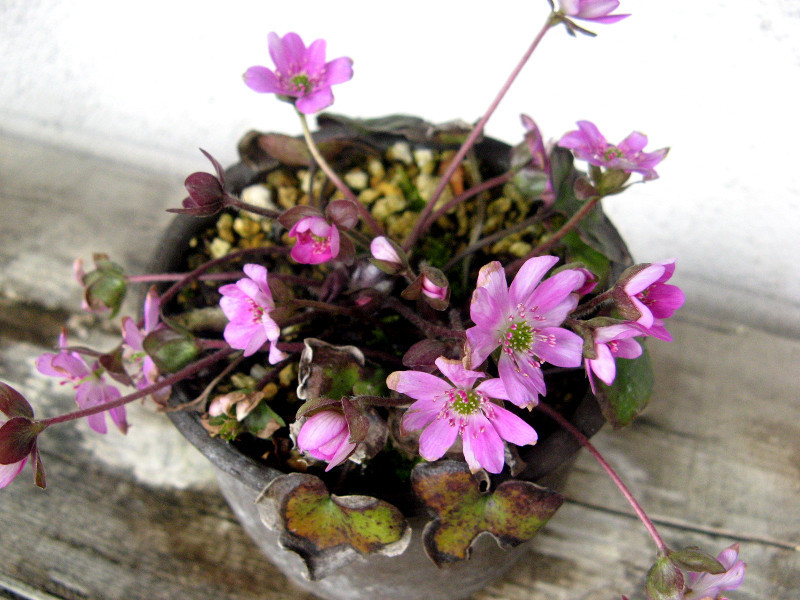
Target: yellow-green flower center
[
  {"x": 301, "y": 81},
  {"x": 518, "y": 337},
  {"x": 465, "y": 402}
]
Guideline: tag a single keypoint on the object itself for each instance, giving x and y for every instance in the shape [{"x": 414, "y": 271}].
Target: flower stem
[
  {"x": 420, "y": 226},
  {"x": 157, "y": 277},
  {"x": 340, "y": 185},
  {"x": 169, "y": 380},
  {"x": 252, "y": 208},
  {"x": 466, "y": 195},
  {"x": 191, "y": 276},
  {"x": 584, "y": 441},
  {"x": 428, "y": 328},
  {"x": 324, "y": 306},
  {"x": 556, "y": 237}
]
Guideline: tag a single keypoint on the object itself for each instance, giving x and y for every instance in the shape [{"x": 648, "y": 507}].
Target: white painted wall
[{"x": 151, "y": 81}]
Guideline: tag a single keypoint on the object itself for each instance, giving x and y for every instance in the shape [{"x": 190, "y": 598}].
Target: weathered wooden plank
[{"x": 715, "y": 458}]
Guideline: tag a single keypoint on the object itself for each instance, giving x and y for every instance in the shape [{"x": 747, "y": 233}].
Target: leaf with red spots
[{"x": 512, "y": 513}]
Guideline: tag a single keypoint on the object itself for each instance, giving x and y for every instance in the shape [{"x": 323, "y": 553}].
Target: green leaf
[
  {"x": 170, "y": 349},
  {"x": 696, "y": 560},
  {"x": 512, "y": 514},
  {"x": 327, "y": 530},
  {"x": 664, "y": 580},
  {"x": 624, "y": 399},
  {"x": 580, "y": 251}
]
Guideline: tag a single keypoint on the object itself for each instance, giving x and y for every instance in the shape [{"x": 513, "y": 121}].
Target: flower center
[
  {"x": 301, "y": 82},
  {"x": 320, "y": 244},
  {"x": 518, "y": 337},
  {"x": 465, "y": 402},
  {"x": 612, "y": 153}
]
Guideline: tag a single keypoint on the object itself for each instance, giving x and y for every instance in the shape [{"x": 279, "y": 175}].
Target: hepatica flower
[
  {"x": 145, "y": 370},
  {"x": 247, "y": 304},
  {"x": 588, "y": 144},
  {"x": 445, "y": 410},
  {"x": 300, "y": 73},
  {"x": 317, "y": 240},
  {"x": 326, "y": 436},
  {"x": 651, "y": 295},
  {"x": 703, "y": 586},
  {"x": 598, "y": 11},
  {"x": 523, "y": 321},
  {"x": 611, "y": 342},
  {"x": 90, "y": 386}
]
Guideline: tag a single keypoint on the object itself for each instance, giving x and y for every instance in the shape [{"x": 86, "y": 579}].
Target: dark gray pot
[{"x": 410, "y": 575}]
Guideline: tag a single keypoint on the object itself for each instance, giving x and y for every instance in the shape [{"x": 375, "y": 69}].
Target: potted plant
[{"x": 389, "y": 336}]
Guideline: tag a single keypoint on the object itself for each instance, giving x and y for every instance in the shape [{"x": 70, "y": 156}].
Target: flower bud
[
  {"x": 170, "y": 350},
  {"x": 104, "y": 288}
]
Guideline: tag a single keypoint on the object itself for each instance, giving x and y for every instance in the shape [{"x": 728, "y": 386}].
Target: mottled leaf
[
  {"x": 512, "y": 513},
  {"x": 328, "y": 531},
  {"x": 624, "y": 399},
  {"x": 328, "y": 371},
  {"x": 13, "y": 404}
]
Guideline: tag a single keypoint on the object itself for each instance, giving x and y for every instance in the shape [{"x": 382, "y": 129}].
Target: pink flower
[
  {"x": 247, "y": 304},
  {"x": 326, "y": 436},
  {"x": 382, "y": 249},
  {"x": 446, "y": 410},
  {"x": 524, "y": 321},
  {"x": 652, "y": 296},
  {"x": 300, "y": 72},
  {"x": 317, "y": 240},
  {"x": 431, "y": 290},
  {"x": 703, "y": 586},
  {"x": 589, "y": 144},
  {"x": 146, "y": 373},
  {"x": 90, "y": 386},
  {"x": 609, "y": 343},
  {"x": 598, "y": 11}
]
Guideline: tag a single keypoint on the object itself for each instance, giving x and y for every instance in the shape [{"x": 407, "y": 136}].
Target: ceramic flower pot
[{"x": 409, "y": 574}]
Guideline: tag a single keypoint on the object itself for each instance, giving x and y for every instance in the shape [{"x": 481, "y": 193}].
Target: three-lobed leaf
[
  {"x": 327, "y": 530},
  {"x": 512, "y": 513}
]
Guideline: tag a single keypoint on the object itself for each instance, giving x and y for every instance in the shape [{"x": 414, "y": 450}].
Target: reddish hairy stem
[
  {"x": 167, "y": 381},
  {"x": 584, "y": 441},
  {"x": 175, "y": 287},
  {"x": 556, "y": 237},
  {"x": 473, "y": 136},
  {"x": 340, "y": 185},
  {"x": 482, "y": 187}
]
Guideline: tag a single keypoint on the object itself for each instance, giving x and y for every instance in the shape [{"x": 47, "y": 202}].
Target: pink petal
[
  {"x": 603, "y": 366},
  {"x": 338, "y": 70},
  {"x": 563, "y": 348},
  {"x": 315, "y": 57},
  {"x": 521, "y": 390},
  {"x": 481, "y": 343},
  {"x": 483, "y": 447},
  {"x": 417, "y": 384},
  {"x": 262, "y": 80},
  {"x": 493, "y": 388},
  {"x": 437, "y": 439},
  {"x": 528, "y": 277},
  {"x": 9, "y": 472},
  {"x": 454, "y": 370},
  {"x": 512, "y": 428},
  {"x": 315, "y": 101},
  {"x": 420, "y": 414}
]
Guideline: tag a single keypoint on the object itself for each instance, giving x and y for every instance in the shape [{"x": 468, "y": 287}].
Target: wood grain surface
[{"x": 715, "y": 459}]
